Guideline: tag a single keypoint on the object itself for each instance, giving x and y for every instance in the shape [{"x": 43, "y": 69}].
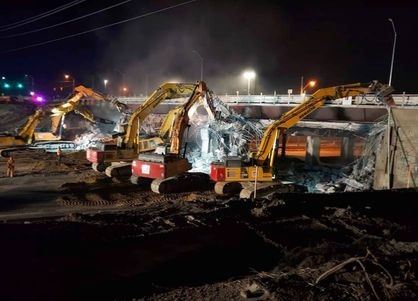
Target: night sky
[{"x": 334, "y": 42}]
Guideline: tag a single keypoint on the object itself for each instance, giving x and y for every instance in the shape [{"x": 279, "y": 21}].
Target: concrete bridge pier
[
  {"x": 204, "y": 134},
  {"x": 313, "y": 145},
  {"x": 347, "y": 149}
]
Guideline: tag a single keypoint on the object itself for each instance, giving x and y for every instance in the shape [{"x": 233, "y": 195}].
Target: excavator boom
[
  {"x": 165, "y": 91},
  {"x": 168, "y": 121},
  {"x": 317, "y": 99},
  {"x": 182, "y": 119}
]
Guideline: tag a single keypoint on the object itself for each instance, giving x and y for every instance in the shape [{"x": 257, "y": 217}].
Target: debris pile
[
  {"x": 317, "y": 179},
  {"x": 230, "y": 135},
  {"x": 358, "y": 176},
  {"x": 362, "y": 174}
]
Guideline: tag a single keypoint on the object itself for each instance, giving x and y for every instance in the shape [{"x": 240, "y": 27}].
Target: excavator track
[
  {"x": 135, "y": 179},
  {"x": 7, "y": 152},
  {"x": 100, "y": 167},
  {"x": 189, "y": 181},
  {"x": 264, "y": 189},
  {"x": 140, "y": 181},
  {"x": 223, "y": 188},
  {"x": 119, "y": 169}
]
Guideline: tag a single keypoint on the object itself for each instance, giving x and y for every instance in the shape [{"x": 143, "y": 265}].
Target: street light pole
[
  {"x": 393, "y": 51},
  {"x": 249, "y": 75},
  {"x": 301, "y": 85},
  {"x": 388, "y": 167},
  {"x": 201, "y": 64}
]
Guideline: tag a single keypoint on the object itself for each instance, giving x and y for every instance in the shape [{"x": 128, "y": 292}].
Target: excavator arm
[
  {"x": 74, "y": 103},
  {"x": 182, "y": 118},
  {"x": 167, "y": 124},
  {"x": 165, "y": 91},
  {"x": 28, "y": 129},
  {"x": 275, "y": 130},
  {"x": 25, "y": 135}
]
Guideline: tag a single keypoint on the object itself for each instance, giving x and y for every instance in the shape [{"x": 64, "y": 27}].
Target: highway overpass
[{"x": 357, "y": 109}]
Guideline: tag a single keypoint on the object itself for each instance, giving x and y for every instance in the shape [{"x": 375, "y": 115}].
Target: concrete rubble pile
[
  {"x": 229, "y": 135},
  {"x": 206, "y": 140},
  {"x": 96, "y": 133},
  {"x": 92, "y": 136},
  {"x": 357, "y": 176},
  {"x": 362, "y": 175}
]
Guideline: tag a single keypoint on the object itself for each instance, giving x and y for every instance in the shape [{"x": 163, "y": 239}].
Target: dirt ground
[{"x": 69, "y": 233}]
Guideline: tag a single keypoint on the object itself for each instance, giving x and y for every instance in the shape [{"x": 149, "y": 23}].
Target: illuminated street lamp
[
  {"x": 125, "y": 90},
  {"x": 249, "y": 75},
  {"x": 68, "y": 78},
  {"x": 105, "y": 81},
  {"x": 311, "y": 84}
]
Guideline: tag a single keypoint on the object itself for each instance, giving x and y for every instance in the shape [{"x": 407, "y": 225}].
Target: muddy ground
[{"x": 69, "y": 233}]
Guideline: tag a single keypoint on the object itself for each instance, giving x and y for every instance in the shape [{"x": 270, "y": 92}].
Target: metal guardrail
[{"x": 400, "y": 100}]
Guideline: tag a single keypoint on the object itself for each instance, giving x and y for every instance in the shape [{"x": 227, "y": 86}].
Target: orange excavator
[
  {"x": 234, "y": 175},
  {"x": 169, "y": 169}
]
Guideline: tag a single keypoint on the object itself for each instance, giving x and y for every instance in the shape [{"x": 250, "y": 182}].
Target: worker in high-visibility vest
[
  {"x": 10, "y": 167},
  {"x": 59, "y": 156}
]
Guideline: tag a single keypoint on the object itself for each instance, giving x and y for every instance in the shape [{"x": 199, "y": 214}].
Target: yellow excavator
[
  {"x": 169, "y": 170},
  {"x": 233, "y": 175},
  {"x": 115, "y": 158},
  {"x": 28, "y": 135}
]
